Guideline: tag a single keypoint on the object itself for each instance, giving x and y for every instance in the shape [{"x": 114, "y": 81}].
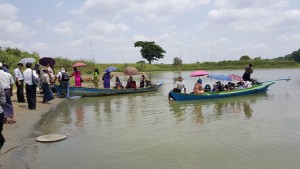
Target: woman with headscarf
[
  {"x": 48, "y": 95},
  {"x": 77, "y": 75},
  {"x": 118, "y": 83}
]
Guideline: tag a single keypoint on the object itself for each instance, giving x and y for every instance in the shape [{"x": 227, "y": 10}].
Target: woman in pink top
[{"x": 77, "y": 74}]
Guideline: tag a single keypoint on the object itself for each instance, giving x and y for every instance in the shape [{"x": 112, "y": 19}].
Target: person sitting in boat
[
  {"x": 218, "y": 87},
  {"x": 198, "y": 89},
  {"x": 179, "y": 85},
  {"x": 131, "y": 84},
  {"x": 118, "y": 83},
  {"x": 143, "y": 81}
]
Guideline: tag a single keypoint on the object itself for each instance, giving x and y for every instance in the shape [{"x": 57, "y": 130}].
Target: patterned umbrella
[
  {"x": 131, "y": 71},
  {"x": 79, "y": 64},
  {"x": 199, "y": 73},
  {"x": 47, "y": 60},
  {"x": 236, "y": 77}
]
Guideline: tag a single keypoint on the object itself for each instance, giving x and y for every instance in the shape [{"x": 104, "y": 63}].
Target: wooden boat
[
  {"x": 93, "y": 92},
  {"x": 211, "y": 95}
]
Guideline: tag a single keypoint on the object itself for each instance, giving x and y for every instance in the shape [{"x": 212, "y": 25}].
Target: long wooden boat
[
  {"x": 93, "y": 92},
  {"x": 212, "y": 95}
]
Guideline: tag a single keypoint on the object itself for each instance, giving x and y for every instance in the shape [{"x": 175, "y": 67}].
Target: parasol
[
  {"x": 236, "y": 77},
  {"x": 131, "y": 71},
  {"x": 199, "y": 73},
  {"x": 26, "y": 60},
  {"x": 79, "y": 64},
  {"x": 47, "y": 60},
  {"x": 220, "y": 77},
  {"x": 110, "y": 69}
]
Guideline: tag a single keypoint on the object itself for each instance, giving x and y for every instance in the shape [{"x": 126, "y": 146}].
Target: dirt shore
[{"x": 18, "y": 134}]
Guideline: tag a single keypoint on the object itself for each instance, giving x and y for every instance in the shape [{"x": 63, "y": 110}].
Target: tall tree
[
  {"x": 296, "y": 55},
  {"x": 177, "y": 61},
  {"x": 150, "y": 51}
]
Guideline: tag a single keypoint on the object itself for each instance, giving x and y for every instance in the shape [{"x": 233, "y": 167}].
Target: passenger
[
  {"x": 106, "y": 80},
  {"x": 2, "y": 103},
  {"x": 248, "y": 72},
  {"x": 179, "y": 85},
  {"x": 118, "y": 83},
  {"x": 143, "y": 81},
  {"x": 198, "y": 89},
  {"x": 131, "y": 84},
  {"x": 207, "y": 88},
  {"x": 19, "y": 83},
  {"x": 218, "y": 87},
  {"x": 77, "y": 75},
  {"x": 95, "y": 78},
  {"x": 7, "y": 81},
  {"x": 64, "y": 81},
  {"x": 48, "y": 95}
]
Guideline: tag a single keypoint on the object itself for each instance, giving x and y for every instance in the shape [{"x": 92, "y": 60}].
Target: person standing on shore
[
  {"x": 7, "y": 82},
  {"x": 30, "y": 87},
  {"x": 64, "y": 81},
  {"x": 77, "y": 75},
  {"x": 248, "y": 72},
  {"x": 48, "y": 95},
  {"x": 19, "y": 83},
  {"x": 2, "y": 103}
]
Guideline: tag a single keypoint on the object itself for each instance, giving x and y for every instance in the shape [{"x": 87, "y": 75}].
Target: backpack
[{"x": 65, "y": 76}]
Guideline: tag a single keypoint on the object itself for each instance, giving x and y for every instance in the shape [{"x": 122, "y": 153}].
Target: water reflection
[{"x": 215, "y": 109}]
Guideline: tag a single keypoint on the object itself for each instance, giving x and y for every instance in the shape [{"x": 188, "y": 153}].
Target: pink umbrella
[
  {"x": 79, "y": 64},
  {"x": 236, "y": 77},
  {"x": 199, "y": 73}
]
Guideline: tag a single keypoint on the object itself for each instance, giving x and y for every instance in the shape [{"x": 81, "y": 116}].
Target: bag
[
  {"x": 35, "y": 81},
  {"x": 81, "y": 80},
  {"x": 65, "y": 76}
]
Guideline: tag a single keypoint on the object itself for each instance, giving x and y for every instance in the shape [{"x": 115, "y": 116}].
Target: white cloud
[
  {"x": 59, "y": 4},
  {"x": 7, "y": 12},
  {"x": 106, "y": 27},
  {"x": 238, "y": 4},
  {"x": 65, "y": 28}
]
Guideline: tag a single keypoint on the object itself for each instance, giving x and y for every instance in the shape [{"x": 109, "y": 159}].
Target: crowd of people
[{"x": 218, "y": 86}]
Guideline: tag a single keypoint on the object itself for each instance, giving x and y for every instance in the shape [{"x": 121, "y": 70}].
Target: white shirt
[
  {"x": 28, "y": 72},
  {"x": 6, "y": 79},
  {"x": 18, "y": 74},
  {"x": 179, "y": 85}
]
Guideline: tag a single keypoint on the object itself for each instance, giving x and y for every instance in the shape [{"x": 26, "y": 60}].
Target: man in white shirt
[
  {"x": 7, "y": 82},
  {"x": 178, "y": 86},
  {"x": 30, "y": 87},
  {"x": 19, "y": 83}
]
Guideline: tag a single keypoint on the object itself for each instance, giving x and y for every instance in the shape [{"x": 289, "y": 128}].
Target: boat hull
[
  {"x": 95, "y": 92},
  {"x": 213, "y": 95}
]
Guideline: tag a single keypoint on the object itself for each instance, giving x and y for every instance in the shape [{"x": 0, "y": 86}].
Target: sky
[{"x": 194, "y": 30}]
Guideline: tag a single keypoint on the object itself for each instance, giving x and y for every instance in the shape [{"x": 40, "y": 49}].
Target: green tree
[
  {"x": 177, "y": 61},
  {"x": 150, "y": 51},
  {"x": 245, "y": 57},
  {"x": 141, "y": 62},
  {"x": 296, "y": 55}
]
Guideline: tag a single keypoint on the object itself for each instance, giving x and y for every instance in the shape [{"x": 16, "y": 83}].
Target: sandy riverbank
[{"x": 18, "y": 134}]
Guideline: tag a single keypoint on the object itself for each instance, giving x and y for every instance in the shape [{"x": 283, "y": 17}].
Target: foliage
[
  {"x": 296, "y": 56},
  {"x": 177, "y": 61},
  {"x": 245, "y": 57},
  {"x": 150, "y": 51},
  {"x": 141, "y": 62}
]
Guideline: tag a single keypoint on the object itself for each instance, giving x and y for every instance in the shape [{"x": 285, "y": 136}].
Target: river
[{"x": 147, "y": 131}]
